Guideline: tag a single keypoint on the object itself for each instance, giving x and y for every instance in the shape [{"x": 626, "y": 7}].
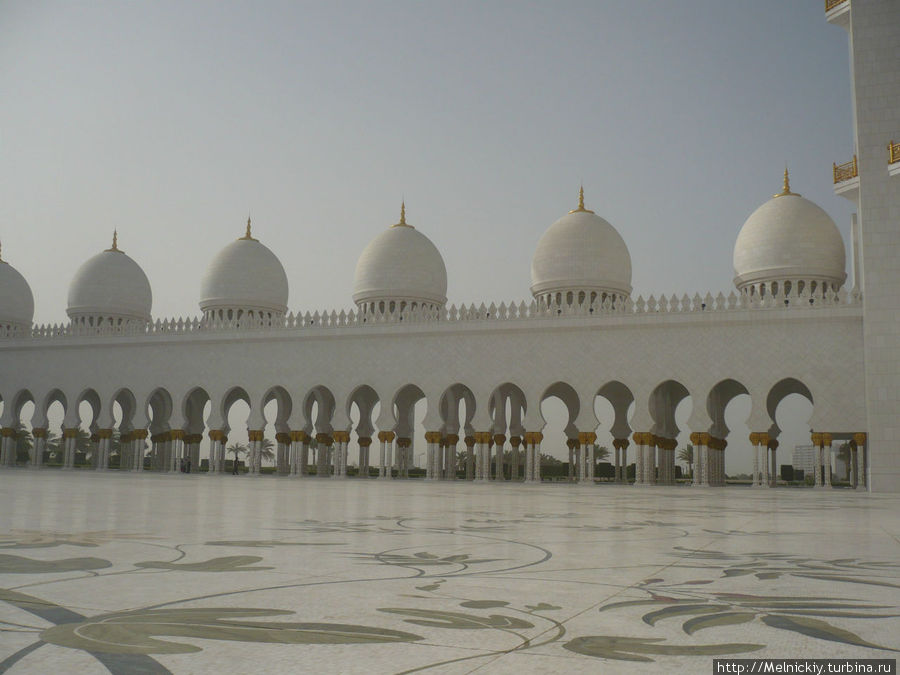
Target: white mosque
[{"x": 794, "y": 324}]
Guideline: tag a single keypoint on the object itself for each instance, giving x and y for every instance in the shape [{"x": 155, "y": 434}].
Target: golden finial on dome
[
  {"x": 581, "y": 208},
  {"x": 115, "y": 243},
  {"x": 786, "y": 190},
  {"x": 247, "y": 236},
  {"x": 402, "y": 222}
]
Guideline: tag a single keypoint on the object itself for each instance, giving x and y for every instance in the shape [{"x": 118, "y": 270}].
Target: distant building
[{"x": 804, "y": 459}]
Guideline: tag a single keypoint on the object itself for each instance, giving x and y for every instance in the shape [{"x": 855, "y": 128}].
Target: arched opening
[
  {"x": 790, "y": 407},
  {"x": 236, "y": 412},
  {"x": 318, "y": 406},
  {"x": 121, "y": 453},
  {"x": 410, "y": 408},
  {"x": 612, "y": 405},
  {"x": 559, "y": 408},
  {"x": 277, "y": 408},
  {"x": 457, "y": 408},
  {"x": 21, "y": 450},
  {"x": 55, "y": 407},
  {"x": 87, "y": 440},
  {"x": 728, "y": 405},
  {"x": 670, "y": 409},
  {"x": 196, "y": 408},
  {"x": 159, "y": 412},
  {"x": 363, "y": 406},
  {"x": 507, "y": 408}
]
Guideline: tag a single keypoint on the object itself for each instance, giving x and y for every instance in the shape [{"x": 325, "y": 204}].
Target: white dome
[
  {"x": 110, "y": 285},
  {"x": 789, "y": 238},
  {"x": 245, "y": 275},
  {"x": 581, "y": 252},
  {"x": 16, "y": 299},
  {"x": 401, "y": 264}
]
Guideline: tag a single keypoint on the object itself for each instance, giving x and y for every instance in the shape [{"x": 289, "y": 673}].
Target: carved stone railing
[
  {"x": 845, "y": 171},
  {"x": 504, "y": 312},
  {"x": 893, "y": 152}
]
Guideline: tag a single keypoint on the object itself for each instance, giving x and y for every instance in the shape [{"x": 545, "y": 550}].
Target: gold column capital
[
  {"x": 364, "y": 441},
  {"x": 39, "y": 432},
  {"x": 816, "y": 439},
  {"x": 432, "y": 436},
  {"x": 860, "y": 438},
  {"x": 451, "y": 439},
  {"x": 283, "y": 437},
  {"x": 385, "y": 436},
  {"x": 8, "y": 432},
  {"x": 515, "y": 441},
  {"x": 177, "y": 434},
  {"x": 499, "y": 439},
  {"x": 827, "y": 438}
]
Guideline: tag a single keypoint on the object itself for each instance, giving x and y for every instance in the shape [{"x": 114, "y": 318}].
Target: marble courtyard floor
[{"x": 129, "y": 573}]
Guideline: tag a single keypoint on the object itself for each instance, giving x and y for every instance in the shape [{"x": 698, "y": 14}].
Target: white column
[
  {"x": 536, "y": 460},
  {"x": 37, "y": 451},
  {"x": 754, "y": 439},
  {"x": 7, "y": 444},
  {"x": 826, "y": 439},
  {"x": 592, "y": 462},
  {"x": 639, "y": 440},
  {"x": 137, "y": 449},
  {"x": 817, "y": 441},
  {"x": 178, "y": 448},
  {"x": 650, "y": 462},
  {"x": 703, "y": 465},
  {"x": 452, "y": 440},
  {"x": 499, "y": 444},
  {"x": 528, "y": 442},
  {"x": 429, "y": 458}
]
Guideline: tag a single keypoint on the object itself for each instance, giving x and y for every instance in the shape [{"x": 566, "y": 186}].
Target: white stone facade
[
  {"x": 875, "y": 78},
  {"x": 582, "y": 336}
]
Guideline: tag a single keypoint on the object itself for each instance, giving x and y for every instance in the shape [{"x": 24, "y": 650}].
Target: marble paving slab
[{"x": 128, "y": 573}]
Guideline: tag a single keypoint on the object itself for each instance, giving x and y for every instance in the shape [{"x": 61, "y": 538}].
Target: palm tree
[
  {"x": 265, "y": 450},
  {"x": 236, "y": 448},
  {"x": 686, "y": 455},
  {"x": 24, "y": 442},
  {"x": 601, "y": 453}
]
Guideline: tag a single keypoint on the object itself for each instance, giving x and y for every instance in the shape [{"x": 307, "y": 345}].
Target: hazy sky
[{"x": 171, "y": 120}]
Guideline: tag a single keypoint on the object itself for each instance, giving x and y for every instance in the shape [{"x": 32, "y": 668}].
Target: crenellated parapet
[{"x": 504, "y": 312}]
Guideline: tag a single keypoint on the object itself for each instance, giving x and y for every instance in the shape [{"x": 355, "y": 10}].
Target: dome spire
[
  {"x": 115, "y": 242},
  {"x": 581, "y": 208},
  {"x": 786, "y": 190},
  {"x": 402, "y": 222},
  {"x": 247, "y": 235}
]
